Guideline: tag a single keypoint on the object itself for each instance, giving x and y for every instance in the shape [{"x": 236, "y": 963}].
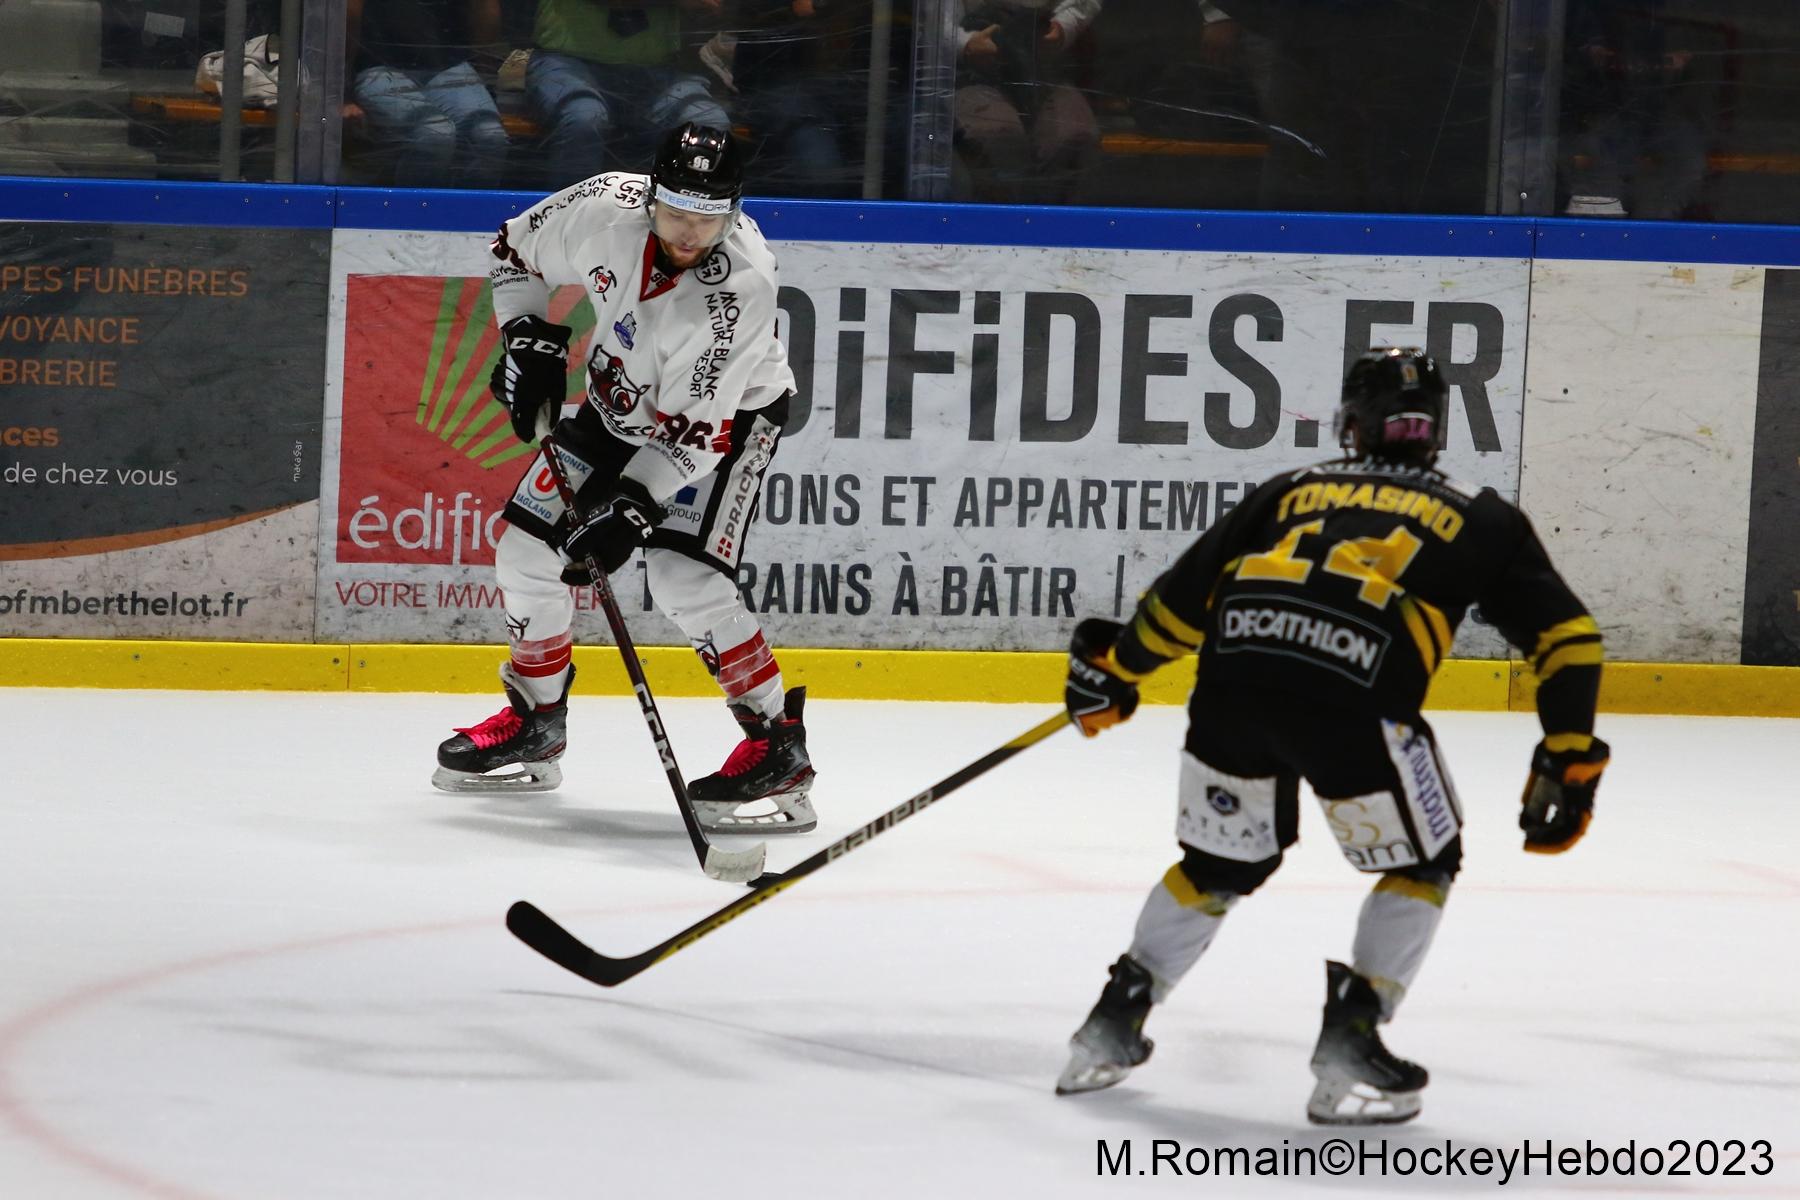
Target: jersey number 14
[{"x": 1375, "y": 563}]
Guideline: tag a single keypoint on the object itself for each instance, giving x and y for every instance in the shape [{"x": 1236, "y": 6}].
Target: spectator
[
  {"x": 604, "y": 80},
  {"x": 1370, "y": 105},
  {"x": 1631, "y": 118},
  {"x": 425, "y": 103},
  {"x": 1023, "y": 134},
  {"x": 1179, "y": 67},
  {"x": 789, "y": 64}
]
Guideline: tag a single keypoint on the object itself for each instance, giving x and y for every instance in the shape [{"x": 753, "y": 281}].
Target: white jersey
[{"x": 673, "y": 359}]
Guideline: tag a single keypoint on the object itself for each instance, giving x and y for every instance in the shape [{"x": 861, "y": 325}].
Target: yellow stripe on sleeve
[
  {"x": 1581, "y": 654},
  {"x": 1574, "y": 627},
  {"x": 1415, "y": 624},
  {"x": 1124, "y": 672},
  {"x": 1177, "y": 627},
  {"x": 1155, "y": 642}
]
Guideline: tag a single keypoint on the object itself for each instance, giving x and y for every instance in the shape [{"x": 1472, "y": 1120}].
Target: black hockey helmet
[
  {"x": 699, "y": 169},
  {"x": 1395, "y": 406}
]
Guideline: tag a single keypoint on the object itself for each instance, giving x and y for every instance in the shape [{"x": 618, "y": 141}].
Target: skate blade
[
  {"x": 1347, "y": 1102},
  {"x": 1087, "y": 1071},
  {"x": 530, "y": 777},
  {"x": 793, "y": 813}
]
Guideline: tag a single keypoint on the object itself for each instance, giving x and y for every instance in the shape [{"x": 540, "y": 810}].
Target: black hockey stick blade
[{"x": 538, "y": 930}]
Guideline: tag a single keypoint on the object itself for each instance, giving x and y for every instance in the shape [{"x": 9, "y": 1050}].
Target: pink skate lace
[
  {"x": 749, "y": 752},
  {"x": 496, "y": 729}
]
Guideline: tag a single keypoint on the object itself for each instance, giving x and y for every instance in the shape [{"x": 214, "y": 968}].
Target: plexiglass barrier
[{"x": 1652, "y": 109}]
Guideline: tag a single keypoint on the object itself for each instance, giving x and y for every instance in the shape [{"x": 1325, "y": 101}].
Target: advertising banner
[
  {"x": 988, "y": 442},
  {"x": 159, "y": 430}
]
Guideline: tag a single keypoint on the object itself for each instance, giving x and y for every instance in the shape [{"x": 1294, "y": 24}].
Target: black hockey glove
[
  {"x": 612, "y": 531},
  {"x": 1559, "y": 796},
  {"x": 1096, "y": 697},
  {"x": 533, "y": 371}
]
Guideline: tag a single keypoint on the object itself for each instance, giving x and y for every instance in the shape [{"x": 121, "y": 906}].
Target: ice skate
[
  {"x": 770, "y": 765},
  {"x": 526, "y": 736},
  {"x": 1111, "y": 1041},
  {"x": 1360, "y": 1082}
]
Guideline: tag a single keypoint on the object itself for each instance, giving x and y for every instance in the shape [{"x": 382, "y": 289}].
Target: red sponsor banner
[{"x": 427, "y": 456}]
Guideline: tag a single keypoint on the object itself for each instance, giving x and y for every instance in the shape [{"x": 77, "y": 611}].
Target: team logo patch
[
  {"x": 627, "y": 330},
  {"x": 603, "y": 280},
  {"x": 1222, "y": 801},
  {"x": 611, "y": 385},
  {"x": 714, "y": 270}
]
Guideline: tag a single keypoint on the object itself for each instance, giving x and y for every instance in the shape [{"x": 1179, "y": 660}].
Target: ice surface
[{"x": 249, "y": 954}]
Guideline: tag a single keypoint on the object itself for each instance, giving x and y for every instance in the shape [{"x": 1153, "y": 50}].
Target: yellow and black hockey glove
[
  {"x": 1096, "y": 696},
  {"x": 1559, "y": 796}
]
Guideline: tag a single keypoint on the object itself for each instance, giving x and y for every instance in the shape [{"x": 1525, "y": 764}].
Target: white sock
[{"x": 1174, "y": 929}]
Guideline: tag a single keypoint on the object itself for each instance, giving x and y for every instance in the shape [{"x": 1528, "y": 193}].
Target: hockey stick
[
  {"x": 530, "y": 925},
  {"x": 732, "y": 866}
]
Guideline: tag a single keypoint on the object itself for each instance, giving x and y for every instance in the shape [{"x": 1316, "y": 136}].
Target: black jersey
[{"x": 1346, "y": 581}]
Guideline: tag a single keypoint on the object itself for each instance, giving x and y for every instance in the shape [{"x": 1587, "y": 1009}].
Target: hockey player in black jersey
[{"x": 1320, "y": 608}]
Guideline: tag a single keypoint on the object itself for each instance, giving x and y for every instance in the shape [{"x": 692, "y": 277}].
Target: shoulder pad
[{"x": 1468, "y": 491}]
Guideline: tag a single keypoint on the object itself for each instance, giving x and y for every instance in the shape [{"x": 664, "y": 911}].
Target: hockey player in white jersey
[{"x": 687, "y": 392}]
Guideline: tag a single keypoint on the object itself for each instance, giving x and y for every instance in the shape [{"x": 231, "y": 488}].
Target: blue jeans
[
  {"x": 442, "y": 128},
  {"x": 799, "y": 126},
  {"x": 605, "y": 117}
]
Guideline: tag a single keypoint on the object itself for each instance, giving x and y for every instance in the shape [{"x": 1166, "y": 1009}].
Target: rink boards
[
  {"x": 1007, "y": 419},
  {"x": 1480, "y": 685}
]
